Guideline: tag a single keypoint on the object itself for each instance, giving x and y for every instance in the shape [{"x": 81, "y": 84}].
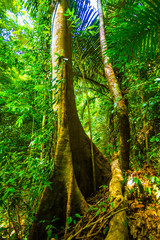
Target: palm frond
[
  {"x": 85, "y": 12},
  {"x": 87, "y": 33},
  {"x": 136, "y": 32}
]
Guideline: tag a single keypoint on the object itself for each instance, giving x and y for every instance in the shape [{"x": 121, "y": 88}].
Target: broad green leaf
[{"x": 69, "y": 220}]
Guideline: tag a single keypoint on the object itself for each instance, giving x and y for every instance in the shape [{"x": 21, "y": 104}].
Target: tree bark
[
  {"x": 71, "y": 179},
  {"x": 118, "y": 224},
  {"x": 115, "y": 90},
  {"x": 42, "y": 144}
]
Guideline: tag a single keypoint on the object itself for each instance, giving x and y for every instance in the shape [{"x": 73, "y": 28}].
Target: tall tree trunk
[
  {"x": 117, "y": 96},
  {"x": 71, "y": 179}
]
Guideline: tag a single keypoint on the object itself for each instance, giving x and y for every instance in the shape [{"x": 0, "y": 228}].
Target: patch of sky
[
  {"x": 94, "y": 3},
  {"x": 22, "y": 18}
]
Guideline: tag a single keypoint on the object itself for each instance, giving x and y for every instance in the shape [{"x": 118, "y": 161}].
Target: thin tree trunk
[
  {"x": 71, "y": 179},
  {"x": 42, "y": 144},
  {"x": 143, "y": 115},
  {"x": 117, "y": 96}
]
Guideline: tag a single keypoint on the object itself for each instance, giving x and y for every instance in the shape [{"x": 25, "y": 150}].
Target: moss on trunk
[{"x": 118, "y": 228}]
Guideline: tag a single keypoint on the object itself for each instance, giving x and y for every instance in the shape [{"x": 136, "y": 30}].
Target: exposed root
[{"x": 95, "y": 221}]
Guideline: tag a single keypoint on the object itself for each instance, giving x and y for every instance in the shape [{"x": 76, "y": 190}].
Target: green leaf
[
  {"x": 12, "y": 189},
  {"x": 77, "y": 215},
  {"x": 112, "y": 204},
  {"x": 48, "y": 184},
  {"x": 48, "y": 227},
  {"x": 42, "y": 221},
  {"x": 102, "y": 204},
  {"x": 135, "y": 180},
  {"x": 106, "y": 230},
  {"x": 103, "y": 209},
  {"x": 95, "y": 209},
  {"x": 49, "y": 234},
  {"x": 149, "y": 190},
  {"x": 19, "y": 122},
  {"x": 157, "y": 180},
  {"x": 69, "y": 220},
  {"x": 141, "y": 189},
  {"x": 57, "y": 54},
  {"x": 55, "y": 219},
  {"x": 98, "y": 212},
  {"x": 153, "y": 139},
  {"x": 90, "y": 208},
  {"x": 153, "y": 179}
]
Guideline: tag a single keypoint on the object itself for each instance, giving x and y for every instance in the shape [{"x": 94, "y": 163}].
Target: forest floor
[{"x": 142, "y": 205}]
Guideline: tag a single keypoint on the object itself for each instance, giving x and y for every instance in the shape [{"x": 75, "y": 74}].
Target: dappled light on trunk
[
  {"x": 72, "y": 179},
  {"x": 119, "y": 104},
  {"x": 118, "y": 228}
]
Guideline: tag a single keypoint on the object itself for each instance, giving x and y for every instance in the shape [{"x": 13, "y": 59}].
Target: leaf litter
[{"x": 142, "y": 206}]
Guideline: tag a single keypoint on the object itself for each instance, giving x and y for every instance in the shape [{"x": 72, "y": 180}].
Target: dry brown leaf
[{"x": 140, "y": 206}]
